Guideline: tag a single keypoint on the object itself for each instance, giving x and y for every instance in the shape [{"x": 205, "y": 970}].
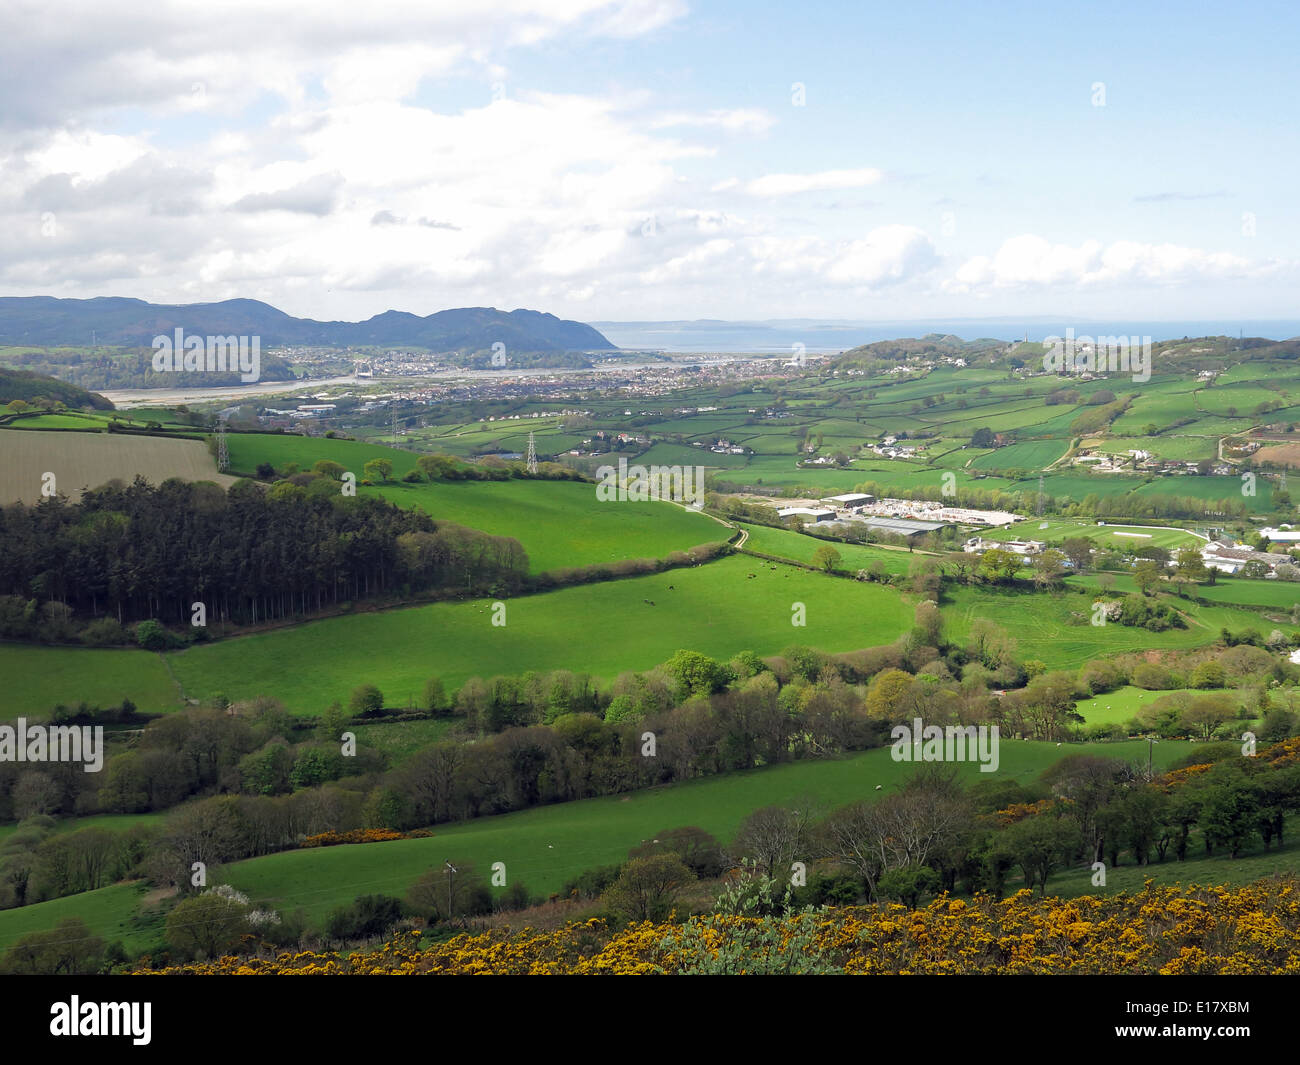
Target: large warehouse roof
[{"x": 906, "y": 526}]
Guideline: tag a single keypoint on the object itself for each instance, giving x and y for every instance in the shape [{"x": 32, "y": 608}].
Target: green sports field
[{"x": 1108, "y": 535}]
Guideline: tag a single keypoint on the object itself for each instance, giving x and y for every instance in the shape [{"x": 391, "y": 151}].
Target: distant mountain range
[{"x": 112, "y": 320}]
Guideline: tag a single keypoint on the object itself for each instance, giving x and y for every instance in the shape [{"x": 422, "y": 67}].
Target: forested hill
[
  {"x": 49, "y": 322},
  {"x": 19, "y": 384}
]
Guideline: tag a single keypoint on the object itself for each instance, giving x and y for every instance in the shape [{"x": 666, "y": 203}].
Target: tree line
[{"x": 133, "y": 552}]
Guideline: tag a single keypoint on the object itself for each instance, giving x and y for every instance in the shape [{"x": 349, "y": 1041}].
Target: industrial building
[
  {"x": 806, "y": 514},
  {"x": 901, "y": 526},
  {"x": 849, "y": 500}
]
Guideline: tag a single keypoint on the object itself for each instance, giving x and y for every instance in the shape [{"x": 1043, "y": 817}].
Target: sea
[{"x": 832, "y": 336}]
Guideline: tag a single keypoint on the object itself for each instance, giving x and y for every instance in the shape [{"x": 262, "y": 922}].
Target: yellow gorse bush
[{"x": 1167, "y": 930}]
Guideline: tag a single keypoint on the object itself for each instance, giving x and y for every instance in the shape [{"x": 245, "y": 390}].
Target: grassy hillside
[
  {"x": 604, "y": 629},
  {"x": 547, "y": 845},
  {"x": 599, "y": 628},
  {"x": 798, "y": 547},
  {"x": 1056, "y": 627},
  {"x": 39, "y": 678},
  {"x": 24, "y": 385},
  {"x": 559, "y": 523}
]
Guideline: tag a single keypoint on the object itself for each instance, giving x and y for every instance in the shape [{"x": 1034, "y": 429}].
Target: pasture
[
  {"x": 543, "y": 847},
  {"x": 798, "y": 547},
  {"x": 1121, "y": 705},
  {"x": 37, "y": 679},
  {"x": 602, "y": 629},
  {"x": 1055, "y": 628},
  {"x": 560, "y": 523}
]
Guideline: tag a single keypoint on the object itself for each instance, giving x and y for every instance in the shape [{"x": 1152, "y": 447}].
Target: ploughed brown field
[
  {"x": 1279, "y": 454},
  {"x": 87, "y": 460}
]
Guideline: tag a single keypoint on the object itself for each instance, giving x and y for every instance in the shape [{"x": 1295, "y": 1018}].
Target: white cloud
[
  {"x": 84, "y": 155},
  {"x": 734, "y": 120},
  {"x": 786, "y": 184},
  {"x": 1030, "y": 261},
  {"x": 885, "y": 256}
]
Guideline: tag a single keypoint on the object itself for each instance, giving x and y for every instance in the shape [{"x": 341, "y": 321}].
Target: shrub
[
  {"x": 366, "y": 699},
  {"x": 103, "y": 632},
  {"x": 368, "y": 916},
  {"x": 152, "y": 636}
]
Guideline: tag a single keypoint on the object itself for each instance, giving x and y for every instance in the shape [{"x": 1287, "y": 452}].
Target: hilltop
[
  {"x": 20, "y": 384},
  {"x": 48, "y": 322}
]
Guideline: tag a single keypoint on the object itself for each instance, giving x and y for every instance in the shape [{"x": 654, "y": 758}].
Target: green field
[
  {"x": 1055, "y": 628},
  {"x": 798, "y": 547},
  {"x": 1278, "y": 594},
  {"x": 601, "y": 628},
  {"x": 249, "y": 450},
  {"x": 717, "y": 609},
  {"x": 560, "y": 523},
  {"x": 37, "y": 679},
  {"x": 545, "y": 846},
  {"x": 1025, "y": 455},
  {"x": 116, "y": 913},
  {"x": 1121, "y": 705}
]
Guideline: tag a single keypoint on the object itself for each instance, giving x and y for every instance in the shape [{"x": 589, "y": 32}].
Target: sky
[{"x": 655, "y": 159}]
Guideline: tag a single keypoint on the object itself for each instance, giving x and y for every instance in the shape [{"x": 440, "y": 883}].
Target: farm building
[
  {"x": 1231, "y": 558},
  {"x": 848, "y": 500},
  {"x": 901, "y": 526},
  {"x": 1283, "y": 534},
  {"x": 1016, "y": 547},
  {"x": 806, "y": 514}
]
